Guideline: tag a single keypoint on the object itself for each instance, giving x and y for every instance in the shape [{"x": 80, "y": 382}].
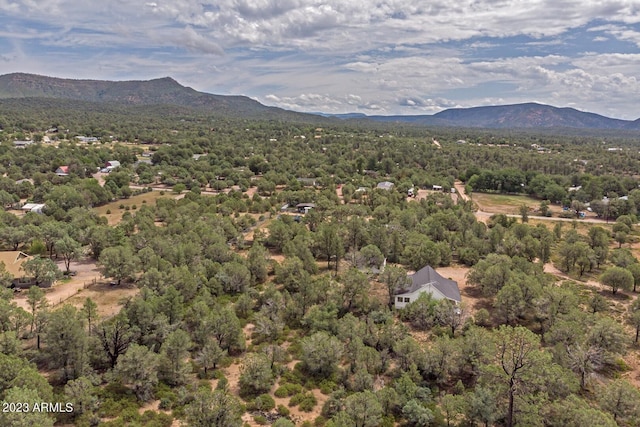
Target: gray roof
[
  {"x": 385, "y": 185},
  {"x": 449, "y": 288}
]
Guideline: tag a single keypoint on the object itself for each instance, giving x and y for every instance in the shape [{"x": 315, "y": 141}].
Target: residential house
[
  {"x": 62, "y": 171},
  {"x": 305, "y": 207},
  {"x": 385, "y": 185},
  {"x": 428, "y": 280},
  {"x": 33, "y": 207},
  {"x": 13, "y": 264},
  {"x": 22, "y": 144}
]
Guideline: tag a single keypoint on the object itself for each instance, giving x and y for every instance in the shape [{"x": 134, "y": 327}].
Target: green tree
[
  {"x": 66, "y": 342},
  {"x": 256, "y": 376},
  {"x": 115, "y": 336},
  {"x": 138, "y": 367},
  {"x": 42, "y": 270},
  {"x": 214, "y": 409},
  {"x": 90, "y": 312},
  {"x": 395, "y": 280},
  {"x": 617, "y": 278},
  {"x": 321, "y": 354},
  {"x": 28, "y": 418},
  {"x": 517, "y": 348},
  {"x": 210, "y": 355},
  {"x": 174, "y": 351},
  {"x": 36, "y": 300},
  {"x": 70, "y": 250},
  {"x": 622, "y": 400},
  {"x": 118, "y": 262},
  {"x": 364, "y": 409},
  {"x": 420, "y": 251}
]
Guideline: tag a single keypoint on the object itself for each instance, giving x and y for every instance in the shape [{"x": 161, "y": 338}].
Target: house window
[
  {"x": 399, "y": 299},
  {"x": 407, "y": 300}
]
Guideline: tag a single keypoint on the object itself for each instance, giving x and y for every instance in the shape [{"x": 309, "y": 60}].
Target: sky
[{"x": 377, "y": 57}]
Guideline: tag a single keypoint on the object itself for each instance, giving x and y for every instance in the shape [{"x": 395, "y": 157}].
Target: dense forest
[{"x": 242, "y": 310}]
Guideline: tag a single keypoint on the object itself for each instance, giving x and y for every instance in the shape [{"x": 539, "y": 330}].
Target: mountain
[
  {"x": 168, "y": 92},
  {"x": 517, "y": 116},
  {"x": 163, "y": 91}
]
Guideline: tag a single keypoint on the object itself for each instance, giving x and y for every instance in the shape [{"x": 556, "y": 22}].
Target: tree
[
  {"x": 138, "y": 367},
  {"x": 70, "y": 250},
  {"x": 524, "y": 213},
  {"x": 395, "y": 280},
  {"x": 115, "y": 335},
  {"x": 634, "y": 268},
  {"x": 90, "y": 312},
  {"x": 66, "y": 342},
  {"x": 634, "y": 317},
  {"x": 235, "y": 277},
  {"x": 214, "y": 409},
  {"x": 257, "y": 262},
  {"x": 420, "y": 251},
  {"x": 364, "y": 409},
  {"x": 621, "y": 399},
  {"x": 516, "y": 351},
  {"x": 330, "y": 243},
  {"x": 210, "y": 355},
  {"x": 42, "y": 270},
  {"x": 321, "y": 354},
  {"x": 29, "y": 417},
  {"x": 617, "y": 278},
  {"x": 36, "y": 300},
  {"x": 256, "y": 376},
  {"x": 174, "y": 351},
  {"x": 118, "y": 262},
  {"x": 510, "y": 302}
]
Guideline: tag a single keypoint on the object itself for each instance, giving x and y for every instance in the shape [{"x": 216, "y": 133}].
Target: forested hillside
[{"x": 190, "y": 289}]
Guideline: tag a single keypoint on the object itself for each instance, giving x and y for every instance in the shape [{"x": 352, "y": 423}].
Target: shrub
[
  {"x": 108, "y": 211},
  {"x": 260, "y": 419},
  {"x": 283, "y": 410},
  {"x": 264, "y": 402}
]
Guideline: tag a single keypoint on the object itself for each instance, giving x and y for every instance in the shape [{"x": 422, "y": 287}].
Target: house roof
[
  {"x": 449, "y": 288},
  {"x": 63, "y": 169},
  {"x": 13, "y": 262},
  {"x": 385, "y": 185},
  {"x": 305, "y": 205}
]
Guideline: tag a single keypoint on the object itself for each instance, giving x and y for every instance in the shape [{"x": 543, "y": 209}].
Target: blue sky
[{"x": 338, "y": 56}]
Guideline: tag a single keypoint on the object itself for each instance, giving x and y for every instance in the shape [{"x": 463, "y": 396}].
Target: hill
[
  {"x": 516, "y": 116},
  {"x": 163, "y": 91},
  {"x": 168, "y": 92}
]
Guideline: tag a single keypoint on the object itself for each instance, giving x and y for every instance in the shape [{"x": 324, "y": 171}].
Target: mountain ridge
[{"x": 167, "y": 91}]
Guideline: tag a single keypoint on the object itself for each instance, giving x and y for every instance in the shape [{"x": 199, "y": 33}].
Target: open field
[
  {"x": 507, "y": 203},
  {"x": 116, "y": 212}
]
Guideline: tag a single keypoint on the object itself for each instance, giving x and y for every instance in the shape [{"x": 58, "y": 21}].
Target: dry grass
[
  {"x": 115, "y": 216},
  {"x": 506, "y": 203}
]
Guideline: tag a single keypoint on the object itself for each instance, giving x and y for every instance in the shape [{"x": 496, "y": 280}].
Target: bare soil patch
[{"x": 86, "y": 274}]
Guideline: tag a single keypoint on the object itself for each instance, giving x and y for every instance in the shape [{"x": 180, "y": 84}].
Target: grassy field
[
  {"x": 118, "y": 207},
  {"x": 507, "y": 203}
]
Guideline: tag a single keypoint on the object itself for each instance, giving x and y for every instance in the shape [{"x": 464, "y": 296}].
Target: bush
[
  {"x": 260, "y": 419},
  {"x": 288, "y": 390},
  {"x": 108, "y": 211},
  {"x": 306, "y": 401},
  {"x": 264, "y": 402},
  {"x": 283, "y": 410}
]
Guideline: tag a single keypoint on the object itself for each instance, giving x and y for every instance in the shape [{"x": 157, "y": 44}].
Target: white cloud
[{"x": 369, "y": 55}]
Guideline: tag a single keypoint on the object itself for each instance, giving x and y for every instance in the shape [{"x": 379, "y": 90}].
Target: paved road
[{"x": 484, "y": 216}]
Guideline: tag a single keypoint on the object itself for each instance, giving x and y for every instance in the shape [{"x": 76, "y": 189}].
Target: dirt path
[{"x": 87, "y": 274}]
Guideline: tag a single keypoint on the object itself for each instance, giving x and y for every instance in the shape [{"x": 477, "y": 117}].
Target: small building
[
  {"x": 62, "y": 171},
  {"x": 86, "y": 139},
  {"x": 22, "y": 144},
  {"x": 428, "y": 280},
  {"x": 13, "y": 263},
  {"x": 33, "y": 207},
  {"x": 305, "y": 207},
  {"x": 385, "y": 185}
]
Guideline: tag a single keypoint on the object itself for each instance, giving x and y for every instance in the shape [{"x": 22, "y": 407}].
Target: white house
[
  {"x": 428, "y": 280},
  {"x": 385, "y": 185}
]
